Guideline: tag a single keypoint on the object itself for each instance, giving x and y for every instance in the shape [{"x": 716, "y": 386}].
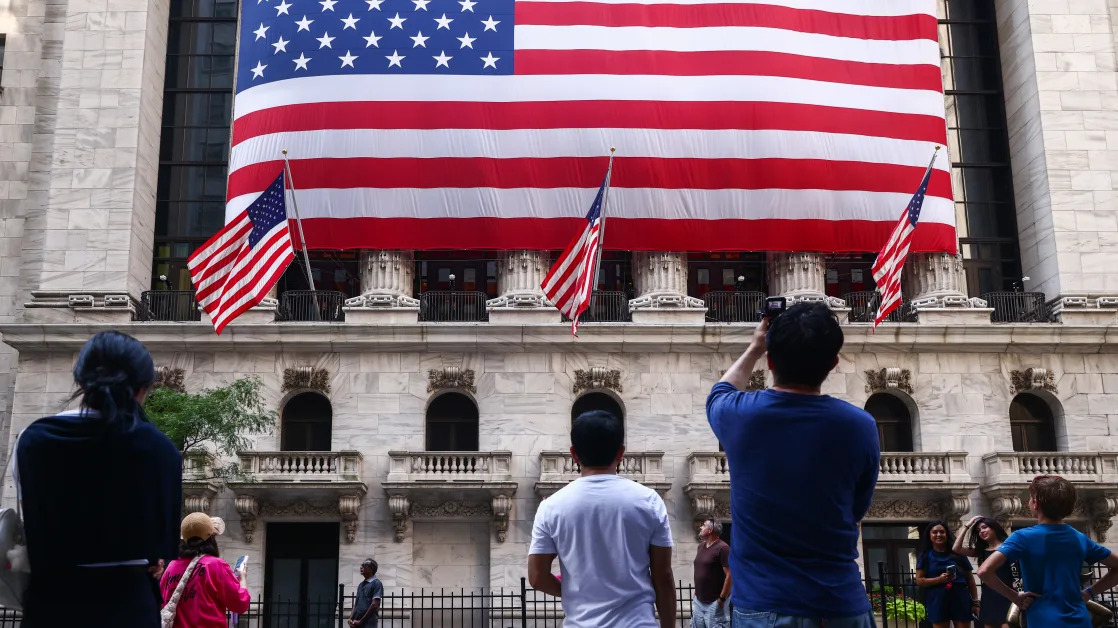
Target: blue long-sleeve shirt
[{"x": 802, "y": 474}]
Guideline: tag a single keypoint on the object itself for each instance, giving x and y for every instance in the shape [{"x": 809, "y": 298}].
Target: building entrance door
[{"x": 301, "y": 575}]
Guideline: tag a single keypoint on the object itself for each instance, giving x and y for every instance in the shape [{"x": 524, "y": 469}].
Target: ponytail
[{"x": 111, "y": 370}]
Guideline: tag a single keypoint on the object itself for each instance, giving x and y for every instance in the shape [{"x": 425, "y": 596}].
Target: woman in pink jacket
[{"x": 212, "y": 587}]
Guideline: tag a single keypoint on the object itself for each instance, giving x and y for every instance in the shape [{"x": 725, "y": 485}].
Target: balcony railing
[
  {"x": 449, "y": 466},
  {"x": 606, "y": 307},
  {"x": 1022, "y": 467},
  {"x": 707, "y": 467},
  {"x": 301, "y": 466},
  {"x": 168, "y": 305},
  {"x": 640, "y": 466},
  {"x": 453, "y": 307},
  {"x": 863, "y": 308},
  {"x": 923, "y": 467},
  {"x": 306, "y": 306},
  {"x": 1018, "y": 307},
  {"x": 734, "y": 307}
]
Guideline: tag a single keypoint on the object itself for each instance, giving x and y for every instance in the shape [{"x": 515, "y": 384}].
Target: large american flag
[
  {"x": 744, "y": 124},
  {"x": 890, "y": 261},
  {"x": 236, "y": 268},
  {"x": 570, "y": 282}
]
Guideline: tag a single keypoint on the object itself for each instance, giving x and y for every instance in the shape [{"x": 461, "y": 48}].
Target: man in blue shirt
[{"x": 802, "y": 471}]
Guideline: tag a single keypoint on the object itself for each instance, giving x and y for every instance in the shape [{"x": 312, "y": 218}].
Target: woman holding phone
[
  {"x": 200, "y": 587},
  {"x": 950, "y": 594}
]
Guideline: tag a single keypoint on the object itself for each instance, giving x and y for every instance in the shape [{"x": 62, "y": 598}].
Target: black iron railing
[
  {"x": 446, "y": 306},
  {"x": 1018, "y": 307},
  {"x": 168, "y": 305},
  {"x": 863, "y": 308},
  {"x": 606, "y": 307},
  {"x": 306, "y": 306},
  {"x": 734, "y": 307}
]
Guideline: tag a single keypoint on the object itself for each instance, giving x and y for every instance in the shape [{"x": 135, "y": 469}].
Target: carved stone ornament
[
  {"x": 891, "y": 378},
  {"x": 167, "y": 377},
  {"x": 299, "y": 508},
  {"x": 451, "y": 377},
  {"x": 304, "y": 377},
  {"x": 348, "y": 507},
  {"x": 399, "y": 506},
  {"x": 248, "y": 508},
  {"x": 196, "y": 503},
  {"x": 451, "y": 510},
  {"x": 597, "y": 377},
  {"x": 756, "y": 381},
  {"x": 1102, "y": 509},
  {"x": 1033, "y": 379},
  {"x": 502, "y": 506},
  {"x": 904, "y": 509}
]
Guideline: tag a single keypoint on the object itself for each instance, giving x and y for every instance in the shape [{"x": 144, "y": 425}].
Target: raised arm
[
  {"x": 959, "y": 540},
  {"x": 739, "y": 373}
]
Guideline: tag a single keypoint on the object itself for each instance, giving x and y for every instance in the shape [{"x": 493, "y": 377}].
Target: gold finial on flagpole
[
  {"x": 937, "y": 148},
  {"x": 612, "y": 149},
  {"x": 284, "y": 151}
]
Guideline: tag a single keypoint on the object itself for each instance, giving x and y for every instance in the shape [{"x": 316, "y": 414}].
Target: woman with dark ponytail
[{"x": 101, "y": 491}]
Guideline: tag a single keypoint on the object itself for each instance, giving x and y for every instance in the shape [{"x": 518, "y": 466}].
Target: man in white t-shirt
[{"x": 611, "y": 536}]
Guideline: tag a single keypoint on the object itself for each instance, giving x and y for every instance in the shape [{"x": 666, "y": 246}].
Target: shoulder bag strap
[{"x": 173, "y": 603}]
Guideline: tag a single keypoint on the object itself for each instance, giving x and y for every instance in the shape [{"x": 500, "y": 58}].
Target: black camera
[{"x": 774, "y": 307}]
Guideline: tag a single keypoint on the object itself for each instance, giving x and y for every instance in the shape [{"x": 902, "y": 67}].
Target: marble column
[
  {"x": 660, "y": 279},
  {"x": 800, "y": 277},
  {"x": 520, "y": 275},
  {"x": 387, "y": 278},
  {"x": 936, "y": 285}
]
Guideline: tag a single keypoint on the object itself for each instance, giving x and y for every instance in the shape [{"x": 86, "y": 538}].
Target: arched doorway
[
  {"x": 1033, "y": 423},
  {"x": 307, "y": 423},
  {"x": 597, "y": 401},
  {"x": 894, "y": 421},
  {"x": 452, "y": 423}
]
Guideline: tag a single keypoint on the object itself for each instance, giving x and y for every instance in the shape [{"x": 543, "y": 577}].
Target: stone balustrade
[
  {"x": 1022, "y": 467},
  {"x": 449, "y": 466},
  {"x": 708, "y": 467},
  {"x": 923, "y": 467},
  {"x": 558, "y": 468},
  {"x": 301, "y": 466}
]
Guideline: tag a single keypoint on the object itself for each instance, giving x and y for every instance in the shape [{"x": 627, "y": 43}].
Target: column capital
[
  {"x": 387, "y": 277},
  {"x": 800, "y": 277},
  {"x": 520, "y": 276},
  {"x": 660, "y": 278},
  {"x": 938, "y": 285}
]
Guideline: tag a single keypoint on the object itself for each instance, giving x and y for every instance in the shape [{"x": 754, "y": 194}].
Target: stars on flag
[
  {"x": 325, "y": 41},
  {"x": 397, "y": 22},
  {"x": 258, "y": 71},
  {"x": 420, "y": 40},
  {"x": 348, "y": 59},
  {"x": 374, "y": 5},
  {"x": 282, "y": 7},
  {"x": 490, "y": 61},
  {"x": 443, "y": 22},
  {"x": 442, "y": 60},
  {"x": 491, "y": 24},
  {"x": 395, "y": 60},
  {"x": 301, "y": 62},
  {"x": 280, "y": 45},
  {"x": 305, "y": 24}
]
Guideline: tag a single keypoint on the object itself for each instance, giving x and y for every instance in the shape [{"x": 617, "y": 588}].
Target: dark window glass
[
  {"x": 194, "y": 148},
  {"x": 1033, "y": 424},
  {"x": 452, "y": 423},
  {"x": 307, "y": 421},
  {"x": 596, "y": 401},
  {"x": 2, "y": 41},
  {"x": 977, "y": 133},
  {"x": 894, "y": 422}
]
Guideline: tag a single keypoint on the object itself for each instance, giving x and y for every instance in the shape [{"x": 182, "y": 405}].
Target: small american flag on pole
[
  {"x": 887, "y": 268},
  {"x": 570, "y": 282},
  {"x": 236, "y": 268}
]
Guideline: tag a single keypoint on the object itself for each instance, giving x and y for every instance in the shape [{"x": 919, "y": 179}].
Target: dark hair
[
  {"x": 198, "y": 547},
  {"x": 1055, "y": 496},
  {"x": 976, "y": 543},
  {"x": 371, "y": 564},
  {"x": 111, "y": 368},
  {"x": 926, "y": 546},
  {"x": 597, "y": 436},
  {"x": 803, "y": 343}
]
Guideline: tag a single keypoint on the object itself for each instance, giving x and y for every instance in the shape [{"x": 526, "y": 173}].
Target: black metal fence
[
  {"x": 446, "y": 306},
  {"x": 311, "y": 306},
  {"x": 734, "y": 307},
  {"x": 1018, "y": 307},
  {"x": 606, "y": 307},
  {"x": 168, "y": 305},
  {"x": 863, "y": 308}
]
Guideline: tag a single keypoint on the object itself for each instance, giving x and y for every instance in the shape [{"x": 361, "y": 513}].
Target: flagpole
[
  {"x": 602, "y": 226},
  {"x": 302, "y": 237}
]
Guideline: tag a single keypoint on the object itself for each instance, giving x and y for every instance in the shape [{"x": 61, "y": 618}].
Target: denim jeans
[
  {"x": 709, "y": 615},
  {"x": 758, "y": 619}
]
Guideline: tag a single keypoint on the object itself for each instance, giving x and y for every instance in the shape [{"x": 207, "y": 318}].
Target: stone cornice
[{"x": 496, "y": 338}]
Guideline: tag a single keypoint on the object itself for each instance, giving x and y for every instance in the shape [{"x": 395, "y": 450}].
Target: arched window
[
  {"x": 306, "y": 423},
  {"x": 894, "y": 421},
  {"x": 597, "y": 401},
  {"x": 1033, "y": 423},
  {"x": 452, "y": 423}
]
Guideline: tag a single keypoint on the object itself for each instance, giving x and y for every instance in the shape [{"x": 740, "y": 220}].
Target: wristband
[{"x": 1089, "y": 592}]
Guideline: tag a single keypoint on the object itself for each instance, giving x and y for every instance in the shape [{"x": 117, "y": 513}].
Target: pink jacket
[{"x": 212, "y": 590}]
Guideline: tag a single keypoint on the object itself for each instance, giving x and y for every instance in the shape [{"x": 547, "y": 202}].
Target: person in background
[
  {"x": 712, "y": 579},
  {"x": 802, "y": 471},
  {"x": 1051, "y": 555},
  {"x": 101, "y": 490},
  {"x": 611, "y": 536},
  {"x": 213, "y": 588},
  {"x": 986, "y": 536},
  {"x": 366, "y": 606},
  {"x": 950, "y": 594}
]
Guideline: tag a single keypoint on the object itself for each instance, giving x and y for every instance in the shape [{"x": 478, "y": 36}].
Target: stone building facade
[{"x": 428, "y": 445}]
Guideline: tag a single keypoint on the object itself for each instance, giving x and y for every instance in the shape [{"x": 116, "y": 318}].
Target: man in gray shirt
[{"x": 366, "y": 606}]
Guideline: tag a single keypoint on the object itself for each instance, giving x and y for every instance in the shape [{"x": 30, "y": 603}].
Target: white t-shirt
[{"x": 601, "y": 527}]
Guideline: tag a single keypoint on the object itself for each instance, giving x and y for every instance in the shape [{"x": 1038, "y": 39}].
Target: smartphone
[
  {"x": 242, "y": 561},
  {"x": 952, "y": 570}
]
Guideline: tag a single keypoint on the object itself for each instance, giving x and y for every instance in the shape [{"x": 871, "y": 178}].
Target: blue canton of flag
[
  {"x": 284, "y": 39},
  {"x": 917, "y": 202},
  {"x": 267, "y": 211}
]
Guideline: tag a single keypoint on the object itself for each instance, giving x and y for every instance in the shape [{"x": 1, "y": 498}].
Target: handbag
[
  {"x": 15, "y": 570},
  {"x": 167, "y": 614}
]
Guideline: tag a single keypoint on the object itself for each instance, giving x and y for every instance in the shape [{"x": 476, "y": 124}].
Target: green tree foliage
[{"x": 223, "y": 416}]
